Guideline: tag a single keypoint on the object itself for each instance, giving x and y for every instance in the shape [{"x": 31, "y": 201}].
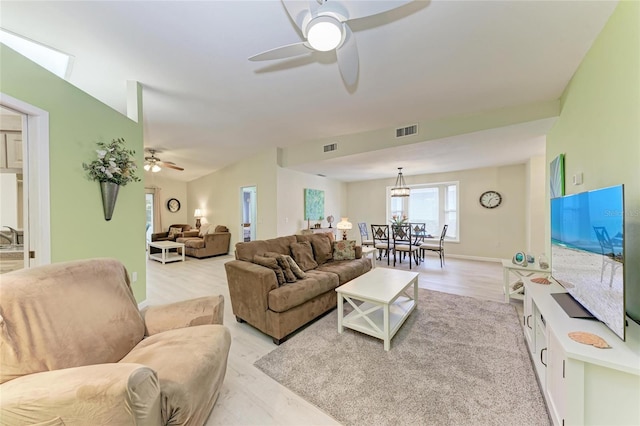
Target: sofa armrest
[
  {"x": 187, "y": 313},
  {"x": 187, "y": 234},
  {"x": 249, "y": 287},
  {"x": 217, "y": 242},
  {"x": 358, "y": 252},
  {"x": 94, "y": 394}
]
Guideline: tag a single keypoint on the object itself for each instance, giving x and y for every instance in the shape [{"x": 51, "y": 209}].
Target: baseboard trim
[{"x": 477, "y": 258}]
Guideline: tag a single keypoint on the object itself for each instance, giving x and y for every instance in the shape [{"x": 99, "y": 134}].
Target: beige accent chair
[
  {"x": 207, "y": 242},
  {"x": 76, "y": 350}
]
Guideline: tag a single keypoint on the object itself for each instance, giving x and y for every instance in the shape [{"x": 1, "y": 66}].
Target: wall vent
[
  {"x": 330, "y": 147},
  {"x": 406, "y": 131}
]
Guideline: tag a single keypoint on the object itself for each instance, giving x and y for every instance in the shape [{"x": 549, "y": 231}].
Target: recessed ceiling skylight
[{"x": 53, "y": 60}]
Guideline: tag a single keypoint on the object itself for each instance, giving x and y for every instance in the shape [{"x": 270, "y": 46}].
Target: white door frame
[
  {"x": 252, "y": 211},
  {"x": 35, "y": 148}
]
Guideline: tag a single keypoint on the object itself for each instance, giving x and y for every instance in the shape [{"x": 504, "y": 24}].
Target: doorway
[
  {"x": 148, "y": 204},
  {"x": 248, "y": 196},
  {"x": 29, "y": 158}
]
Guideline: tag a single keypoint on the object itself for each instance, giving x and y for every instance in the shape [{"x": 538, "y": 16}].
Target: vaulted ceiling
[{"x": 206, "y": 106}]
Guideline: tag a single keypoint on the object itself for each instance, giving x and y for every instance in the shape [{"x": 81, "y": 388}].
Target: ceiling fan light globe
[
  {"x": 155, "y": 168},
  {"x": 147, "y": 167},
  {"x": 324, "y": 33}
]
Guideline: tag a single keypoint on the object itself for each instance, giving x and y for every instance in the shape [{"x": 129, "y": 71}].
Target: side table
[{"x": 519, "y": 271}]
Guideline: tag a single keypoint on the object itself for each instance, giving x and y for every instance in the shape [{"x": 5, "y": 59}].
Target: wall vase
[{"x": 109, "y": 195}]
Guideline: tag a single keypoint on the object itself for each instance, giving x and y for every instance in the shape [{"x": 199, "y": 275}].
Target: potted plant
[{"x": 113, "y": 168}]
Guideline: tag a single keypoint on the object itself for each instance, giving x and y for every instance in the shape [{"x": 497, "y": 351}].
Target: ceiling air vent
[
  {"x": 330, "y": 147},
  {"x": 407, "y": 131}
]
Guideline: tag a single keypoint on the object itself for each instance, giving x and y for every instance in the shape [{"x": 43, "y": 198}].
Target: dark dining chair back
[
  {"x": 403, "y": 243},
  {"x": 381, "y": 240}
]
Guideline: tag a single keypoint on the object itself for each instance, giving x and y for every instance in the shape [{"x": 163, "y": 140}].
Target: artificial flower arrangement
[
  {"x": 399, "y": 220},
  {"x": 114, "y": 164}
]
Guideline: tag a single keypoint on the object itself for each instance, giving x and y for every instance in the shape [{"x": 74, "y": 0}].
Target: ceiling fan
[
  {"x": 154, "y": 164},
  {"x": 325, "y": 27}
]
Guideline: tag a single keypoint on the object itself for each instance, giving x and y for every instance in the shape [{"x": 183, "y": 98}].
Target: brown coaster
[
  {"x": 589, "y": 339},
  {"x": 540, "y": 281}
]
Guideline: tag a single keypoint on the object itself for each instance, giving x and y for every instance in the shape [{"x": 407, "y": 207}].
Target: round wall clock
[
  {"x": 490, "y": 199},
  {"x": 173, "y": 205}
]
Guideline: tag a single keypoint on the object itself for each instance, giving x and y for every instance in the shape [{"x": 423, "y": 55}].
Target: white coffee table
[
  {"x": 387, "y": 302},
  {"x": 165, "y": 255}
]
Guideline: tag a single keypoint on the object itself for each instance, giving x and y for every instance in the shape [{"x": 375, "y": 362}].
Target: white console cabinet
[{"x": 581, "y": 384}]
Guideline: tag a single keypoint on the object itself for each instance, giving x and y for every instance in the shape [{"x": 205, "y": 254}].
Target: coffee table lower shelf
[{"x": 369, "y": 318}]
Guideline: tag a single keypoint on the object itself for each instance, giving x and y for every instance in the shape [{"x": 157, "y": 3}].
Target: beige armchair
[
  {"x": 75, "y": 349},
  {"x": 208, "y": 242}
]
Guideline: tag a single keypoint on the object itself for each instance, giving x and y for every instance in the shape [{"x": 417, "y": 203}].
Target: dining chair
[
  {"x": 381, "y": 240},
  {"x": 364, "y": 235},
  {"x": 403, "y": 243},
  {"x": 608, "y": 253},
  {"x": 439, "y": 248}
]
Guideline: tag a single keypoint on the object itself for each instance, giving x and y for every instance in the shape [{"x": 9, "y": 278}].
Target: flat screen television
[{"x": 587, "y": 252}]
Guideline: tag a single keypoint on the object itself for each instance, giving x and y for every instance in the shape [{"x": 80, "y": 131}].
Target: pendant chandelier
[{"x": 400, "y": 189}]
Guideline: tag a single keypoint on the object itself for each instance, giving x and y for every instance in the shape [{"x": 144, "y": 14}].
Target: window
[{"x": 434, "y": 204}]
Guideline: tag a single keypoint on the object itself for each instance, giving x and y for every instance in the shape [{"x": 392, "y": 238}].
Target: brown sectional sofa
[
  {"x": 200, "y": 245},
  {"x": 277, "y": 309}
]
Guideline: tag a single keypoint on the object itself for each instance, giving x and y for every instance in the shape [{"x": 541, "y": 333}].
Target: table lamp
[
  {"x": 344, "y": 225},
  {"x": 197, "y": 215}
]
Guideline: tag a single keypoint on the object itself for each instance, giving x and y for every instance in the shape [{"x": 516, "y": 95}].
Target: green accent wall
[
  {"x": 76, "y": 122},
  {"x": 599, "y": 128}
]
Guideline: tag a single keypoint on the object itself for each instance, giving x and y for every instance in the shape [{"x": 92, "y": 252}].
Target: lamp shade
[
  {"x": 400, "y": 189},
  {"x": 197, "y": 213},
  {"x": 344, "y": 224}
]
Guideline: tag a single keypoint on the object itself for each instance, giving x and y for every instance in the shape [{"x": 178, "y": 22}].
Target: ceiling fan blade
[
  {"x": 357, "y": 9},
  {"x": 169, "y": 165},
  {"x": 348, "y": 60},
  {"x": 299, "y": 10},
  {"x": 283, "y": 52}
]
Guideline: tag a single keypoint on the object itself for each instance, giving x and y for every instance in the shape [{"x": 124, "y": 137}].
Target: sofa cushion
[
  {"x": 297, "y": 271},
  {"x": 303, "y": 255},
  {"x": 49, "y": 322},
  {"x": 321, "y": 243},
  {"x": 271, "y": 263},
  {"x": 347, "y": 269},
  {"x": 246, "y": 250},
  {"x": 291, "y": 295},
  {"x": 196, "y": 243},
  {"x": 344, "y": 250}
]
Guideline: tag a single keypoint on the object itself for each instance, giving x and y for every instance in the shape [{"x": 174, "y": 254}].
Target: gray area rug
[{"x": 455, "y": 361}]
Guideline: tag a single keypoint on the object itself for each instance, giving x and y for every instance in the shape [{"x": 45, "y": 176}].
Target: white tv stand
[{"x": 581, "y": 384}]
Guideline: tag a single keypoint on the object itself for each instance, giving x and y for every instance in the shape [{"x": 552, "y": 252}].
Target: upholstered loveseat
[
  {"x": 174, "y": 232},
  {"x": 260, "y": 298},
  {"x": 207, "y": 241},
  {"x": 76, "y": 350}
]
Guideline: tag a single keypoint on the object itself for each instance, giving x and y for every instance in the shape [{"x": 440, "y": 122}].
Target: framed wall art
[{"x": 313, "y": 204}]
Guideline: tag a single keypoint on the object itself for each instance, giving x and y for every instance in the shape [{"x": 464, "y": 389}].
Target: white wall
[
  {"x": 484, "y": 233},
  {"x": 170, "y": 188},
  {"x": 291, "y": 185},
  {"x": 536, "y": 200},
  {"x": 218, "y": 195}
]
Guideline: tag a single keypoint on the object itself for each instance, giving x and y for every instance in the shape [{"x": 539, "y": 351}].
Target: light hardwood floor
[{"x": 248, "y": 396}]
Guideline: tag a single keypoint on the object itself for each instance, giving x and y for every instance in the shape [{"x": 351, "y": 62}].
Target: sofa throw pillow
[
  {"x": 271, "y": 263},
  {"x": 297, "y": 271},
  {"x": 344, "y": 250},
  {"x": 173, "y": 232},
  {"x": 204, "y": 228},
  {"x": 303, "y": 255},
  {"x": 322, "y": 249},
  {"x": 283, "y": 263}
]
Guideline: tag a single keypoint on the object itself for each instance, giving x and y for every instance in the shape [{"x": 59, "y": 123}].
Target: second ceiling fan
[
  {"x": 325, "y": 26},
  {"x": 154, "y": 164}
]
